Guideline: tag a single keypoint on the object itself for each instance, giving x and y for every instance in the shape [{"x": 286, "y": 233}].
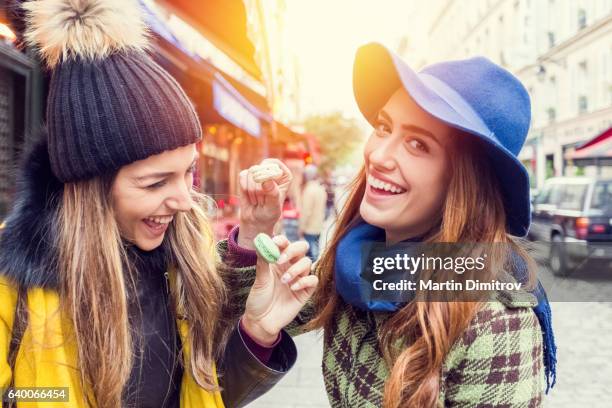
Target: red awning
[
  {"x": 222, "y": 22},
  {"x": 600, "y": 147}
]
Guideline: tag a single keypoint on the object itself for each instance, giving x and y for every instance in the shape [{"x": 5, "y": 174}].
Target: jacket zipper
[{"x": 167, "y": 282}]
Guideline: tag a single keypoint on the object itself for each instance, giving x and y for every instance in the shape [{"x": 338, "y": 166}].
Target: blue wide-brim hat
[{"x": 473, "y": 95}]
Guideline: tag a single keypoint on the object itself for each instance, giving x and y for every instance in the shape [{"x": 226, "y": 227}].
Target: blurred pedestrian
[
  {"x": 312, "y": 214},
  {"x": 330, "y": 210}
]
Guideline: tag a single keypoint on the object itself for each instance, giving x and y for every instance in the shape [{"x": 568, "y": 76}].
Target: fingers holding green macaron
[
  {"x": 289, "y": 258},
  {"x": 266, "y": 248},
  {"x": 283, "y": 283}
]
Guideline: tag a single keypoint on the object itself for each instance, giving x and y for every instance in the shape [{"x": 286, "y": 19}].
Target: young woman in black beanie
[{"x": 111, "y": 288}]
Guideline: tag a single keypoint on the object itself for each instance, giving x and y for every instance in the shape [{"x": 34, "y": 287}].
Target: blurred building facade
[
  {"x": 560, "y": 49},
  {"x": 280, "y": 70},
  {"x": 21, "y": 103},
  {"x": 277, "y": 56}
]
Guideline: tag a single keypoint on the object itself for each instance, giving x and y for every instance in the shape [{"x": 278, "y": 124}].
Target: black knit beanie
[{"x": 109, "y": 103}]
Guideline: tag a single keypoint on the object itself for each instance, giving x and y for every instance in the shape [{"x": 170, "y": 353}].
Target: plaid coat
[{"x": 497, "y": 363}]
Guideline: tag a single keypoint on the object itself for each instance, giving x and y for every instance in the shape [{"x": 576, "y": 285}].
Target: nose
[
  {"x": 382, "y": 153},
  {"x": 180, "y": 200}
]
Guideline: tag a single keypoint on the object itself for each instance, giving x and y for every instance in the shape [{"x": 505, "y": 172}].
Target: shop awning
[
  {"x": 224, "y": 23},
  {"x": 596, "y": 151},
  {"x": 235, "y": 108},
  {"x": 287, "y": 135}
]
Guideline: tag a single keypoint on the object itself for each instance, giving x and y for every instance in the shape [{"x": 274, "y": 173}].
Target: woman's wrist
[
  {"x": 258, "y": 333},
  {"x": 247, "y": 233}
]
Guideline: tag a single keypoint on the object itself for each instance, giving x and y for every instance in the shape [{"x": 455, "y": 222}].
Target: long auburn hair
[
  {"x": 473, "y": 211},
  {"x": 96, "y": 279}
]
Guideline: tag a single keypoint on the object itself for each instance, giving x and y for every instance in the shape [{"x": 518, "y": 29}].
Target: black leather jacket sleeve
[{"x": 243, "y": 378}]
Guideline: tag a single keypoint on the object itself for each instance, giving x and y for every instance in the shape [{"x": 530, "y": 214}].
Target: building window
[
  {"x": 583, "y": 104},
  {"x": 582, "y": 21},
  {"x": 551, "y": 39},
  {"x": 552, "y": 114}
]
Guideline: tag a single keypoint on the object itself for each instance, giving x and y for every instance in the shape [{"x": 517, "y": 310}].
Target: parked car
[{"x": 574, "y": 216}]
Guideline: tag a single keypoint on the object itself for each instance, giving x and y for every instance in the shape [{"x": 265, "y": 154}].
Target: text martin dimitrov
[{"x": 469, "y": 284}]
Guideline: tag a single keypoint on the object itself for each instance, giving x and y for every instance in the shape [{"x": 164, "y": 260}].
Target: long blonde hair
[
  {"x": 473, "y": 212},
  {"x": 96, "y": 279}
]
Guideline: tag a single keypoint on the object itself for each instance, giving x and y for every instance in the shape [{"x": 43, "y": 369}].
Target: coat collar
[{"x": 27, "y": 249}]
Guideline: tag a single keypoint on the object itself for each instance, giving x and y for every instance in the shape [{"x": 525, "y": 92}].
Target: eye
[
  {"x": 156, "y": 185},
  {"x": 418, "y": 145},
  {"x": 192, "y": 169},
  {"x": 382, "y": 128}
]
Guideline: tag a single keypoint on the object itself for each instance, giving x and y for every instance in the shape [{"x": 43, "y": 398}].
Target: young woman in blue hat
[
  {"x": 440, "y": 166},
  {"x": 111, "y": 293}
]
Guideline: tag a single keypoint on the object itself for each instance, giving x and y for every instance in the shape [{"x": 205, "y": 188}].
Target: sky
[{"x": 325, "y": 34}]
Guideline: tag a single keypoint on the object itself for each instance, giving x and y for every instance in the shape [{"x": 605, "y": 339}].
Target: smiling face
[
  {"x": 407, "y": 169},
  {"x": 147, "y": 194}
]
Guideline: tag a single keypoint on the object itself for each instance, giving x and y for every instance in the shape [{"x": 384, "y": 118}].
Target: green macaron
[{"x": 266, "y": 248}]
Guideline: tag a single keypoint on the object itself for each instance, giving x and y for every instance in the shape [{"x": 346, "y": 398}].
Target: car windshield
[
  {"x": 572, "y": 196},
  {"x": 602, "y": 196}
]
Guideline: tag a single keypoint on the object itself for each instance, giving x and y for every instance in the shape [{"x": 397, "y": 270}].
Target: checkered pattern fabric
[{"x": 497, "y": 363}]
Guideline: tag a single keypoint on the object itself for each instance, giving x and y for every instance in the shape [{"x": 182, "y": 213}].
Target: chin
[
  {"x": 375, "y": 218},
  {"x": 148, "y": 245}
]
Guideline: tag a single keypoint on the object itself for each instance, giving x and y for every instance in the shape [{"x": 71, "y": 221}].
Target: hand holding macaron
[
  {"x": 282, "y": 286},
  {"x": 263, "y": 189}
]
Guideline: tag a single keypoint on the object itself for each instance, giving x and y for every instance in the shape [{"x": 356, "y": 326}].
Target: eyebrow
[
  {"x": 410, "y": 128},
  {"x": 162, "y": 174}
]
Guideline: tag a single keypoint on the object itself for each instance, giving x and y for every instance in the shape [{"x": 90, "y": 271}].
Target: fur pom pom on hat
[
  {"x": 90, "y": 29},
  {"x": 109, "y": 103}
]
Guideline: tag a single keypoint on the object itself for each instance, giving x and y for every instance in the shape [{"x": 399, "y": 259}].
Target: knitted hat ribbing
[{"x": 109, "y": 103}]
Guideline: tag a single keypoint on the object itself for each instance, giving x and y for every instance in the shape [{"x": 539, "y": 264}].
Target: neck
[
  {"x": 418, "y": 232},
  {"x": 393, "y": 237}
]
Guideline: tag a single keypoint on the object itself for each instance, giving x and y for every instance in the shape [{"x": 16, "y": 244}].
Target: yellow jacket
[{"x": 45, "y": 359}]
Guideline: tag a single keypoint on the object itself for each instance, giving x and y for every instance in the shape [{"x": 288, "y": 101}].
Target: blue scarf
[{"x": 357, "y": 292}]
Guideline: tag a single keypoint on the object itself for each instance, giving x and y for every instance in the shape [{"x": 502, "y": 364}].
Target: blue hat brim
[{"x": 378, "y": 73}]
